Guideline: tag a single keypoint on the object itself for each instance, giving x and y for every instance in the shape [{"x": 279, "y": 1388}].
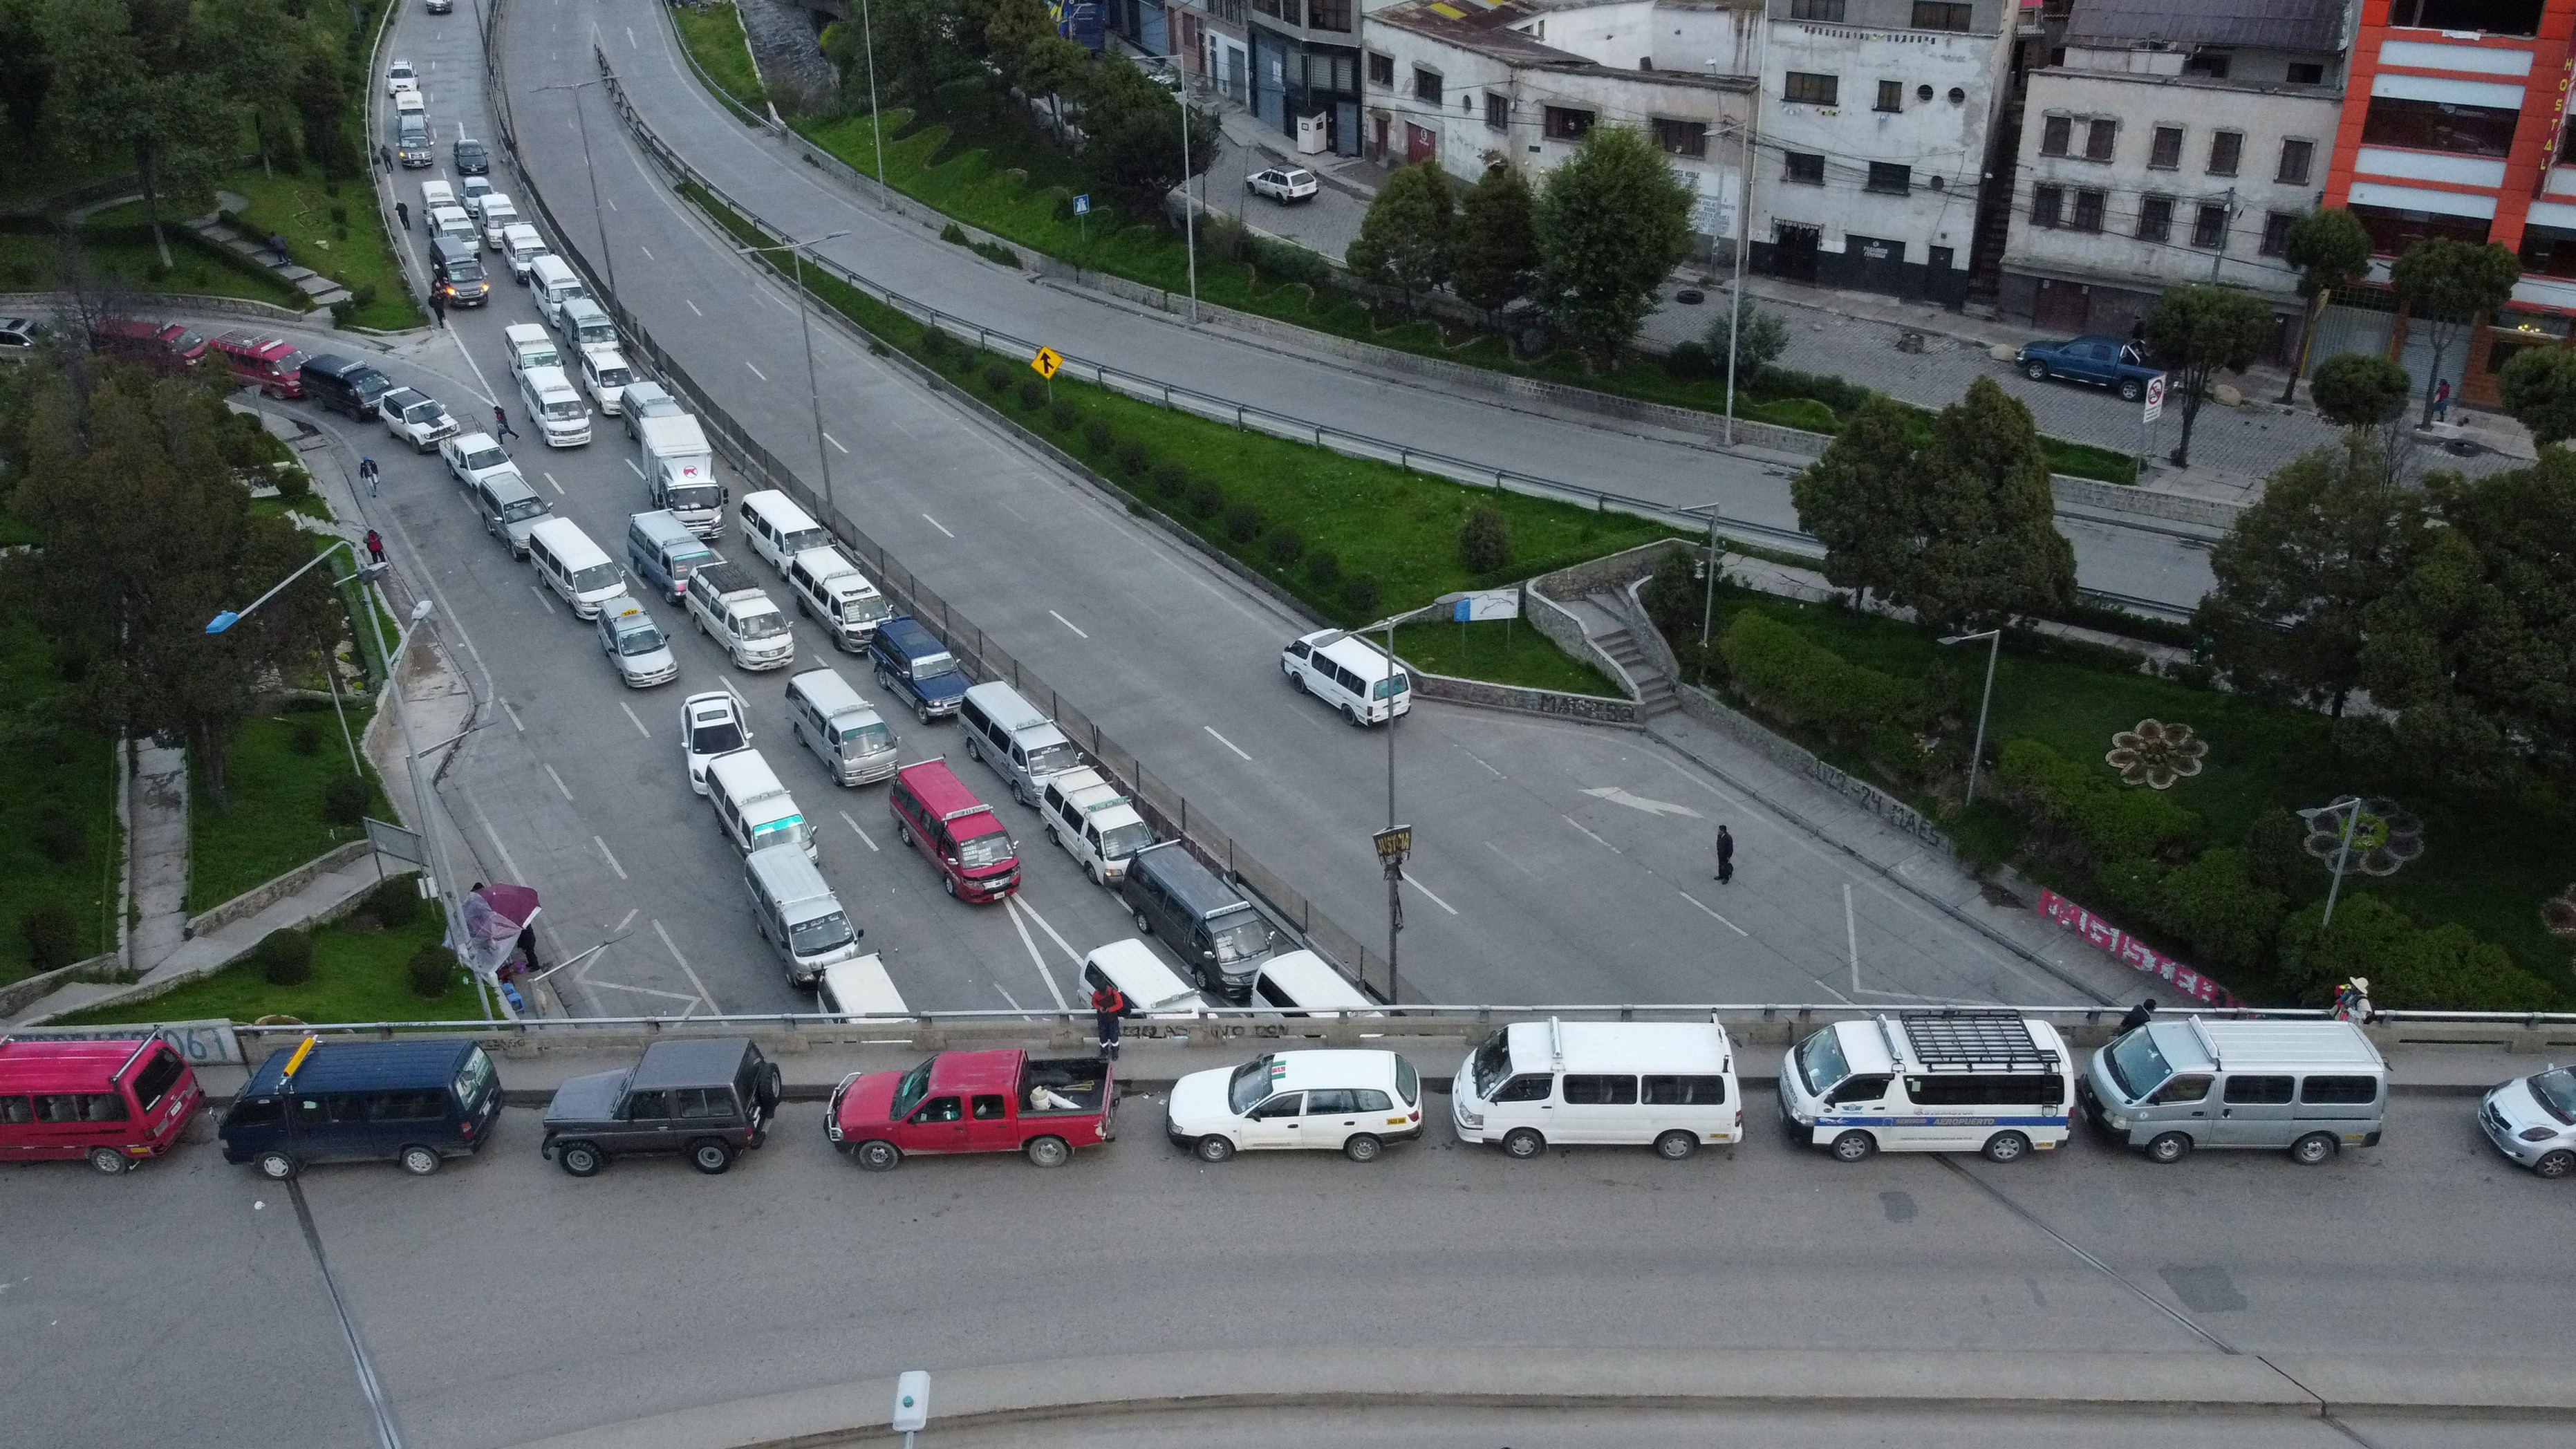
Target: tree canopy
[
  {"x": 2539, "y": 387},
  {"x": 2446, "y": 286},
  {"x": 1611, "y": 223},
  {"x": 1495, "y": 259},
  {"x": 1407, "y": 240},
  {"x": 2197, "y": 331}
]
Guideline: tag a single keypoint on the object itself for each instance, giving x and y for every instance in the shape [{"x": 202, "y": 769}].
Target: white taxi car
[
  {"x": 1352, "y": 1101},
  {"x": 710, "y": 725}
]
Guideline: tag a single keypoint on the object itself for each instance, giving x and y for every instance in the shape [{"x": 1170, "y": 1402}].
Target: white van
[
  {"x": 1022, "y": 745},
  {"x": 604, "y": 374},
  {"x": 573, "y": 566},
  {"x": 2309, "y": 1088},
  {"x": 555, "y": 405},
  {"x": 435, "y": 194},
  {"x": 1095, "y": 824},
  {"x": 1301, "y": 983},
  {"x": 1666, "y": 1084},
  {"x": 553, "y": 282},
  {"x": 454, "y": 223},
  {"x": 848, "y": 990},
  {"x": 752, "y": 808},
  {"x": 841, "y": 728},
  {"x": 830, "y": 590},
  {"x": 1152, "y": 989},
  {"x": 530, "y": 346},
  {"x": 796, "y": 913},
  {"x": 522, "y": 245},
  {"x": 584, "y": 323},
  {"x": 1956, "y": 1079},
  {"x": 1348, "y": 673},
  {"x": 496, "y": 215},
  {"x": 778, "y": 529},
  {"x": 408, "y": 101}
]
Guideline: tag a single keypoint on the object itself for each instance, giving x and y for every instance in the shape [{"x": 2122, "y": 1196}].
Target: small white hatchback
[
  {"x": 1353, "y": 1101},
  {"x": 710, "y": 725}
]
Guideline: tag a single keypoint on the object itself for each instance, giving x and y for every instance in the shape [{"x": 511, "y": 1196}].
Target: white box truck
[{"x": 680, "y": 471}]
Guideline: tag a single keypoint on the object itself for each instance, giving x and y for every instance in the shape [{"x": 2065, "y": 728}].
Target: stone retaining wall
[
  {"x": 260, "y": 897},
  {"x": 1700, "y": 704},
  {"x": 1589, "y": 708},
  {"x": 17, "y": 996}
]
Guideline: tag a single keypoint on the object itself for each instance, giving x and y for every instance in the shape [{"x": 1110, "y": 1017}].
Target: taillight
[{"x": 469, "y": 1127}]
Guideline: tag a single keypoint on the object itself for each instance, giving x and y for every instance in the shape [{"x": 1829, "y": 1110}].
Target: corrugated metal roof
[{"x": 2267, "y": 24}]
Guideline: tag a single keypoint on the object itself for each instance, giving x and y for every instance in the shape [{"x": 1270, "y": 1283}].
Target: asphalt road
[{"x": 501, "y": 1301}]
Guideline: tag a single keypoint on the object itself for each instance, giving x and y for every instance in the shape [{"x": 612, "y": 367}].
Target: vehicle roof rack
[{"x": 1972, "y": 1039}]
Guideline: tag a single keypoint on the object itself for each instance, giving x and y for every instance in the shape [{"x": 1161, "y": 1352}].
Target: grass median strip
[
  {"x": 716, "y": 40},
  {"x": 287, "y": 803},
  {"x": 360, "y": 973},
  {"x": 1500, "y": 651}
]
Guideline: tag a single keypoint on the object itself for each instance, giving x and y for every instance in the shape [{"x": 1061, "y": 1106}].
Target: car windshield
[
  {"x": 870, "y": 738},
  {"x": 930, "y": 665},
  {"x": 2557, "y": 1092},
  {"x": 1244, "y": 940},
  {"x": 693, "y": 495},
  {"x": 427, "y": 412},
  {"x": 1390, "y": 686},
  {"x": 1491, "y": 1064},
  {"x": 2137, "y": 1066},
  {"x": 186, "y": 341},
  {"x": 462, "y": 270},
  {"x": 523, "y": 510},
  {"x": 642, "y": 639},
  {"x": 908, "y": 1092},
  {"x": 823, "y": 933},
  {"x": 803, "y": 539},
  {"x": 482, "y": 458},
  {"x": 1408, "y": 1082},
  {"x": 1054, "y": 759},
  {"x": 1120, "y": 841},
  {"x": 866, "y": 609},
  {"x": 784, "y": 828},
  {"x": 991, "y": 848},
  {"x": 597, "y": 576},
  {"x": 537, "y": 357},
  {"x": 760, "y": 624},
  {"x": 1249, "y": 1084},
  {"x": 474, "y": 1079},
  {"x": 1821, "y": 1065},
  {"x": 563, "y": 408},
  {"x": 615, "y": 377},
  {"x": 716, "y": 739}
]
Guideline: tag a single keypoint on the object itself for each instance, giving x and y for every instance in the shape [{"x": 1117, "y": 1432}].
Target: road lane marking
[
  {"x": 630, "y": 41},
  {"x": 935, "y": 523},
  {"x": 756, "y": 372},
  {"x": 1229, "y": 744},
  {"x": 541, "y": 597},
  {"x": 855, "y": 830},
  {"x": 612, "y": 203},
  {"x": 603, "y": 850},
  {"x": 558, "y": 779},
  {"x": 622, "y": 922},
  {"x": 1007, "y": 996},
  {"x": 1068, "y": 623},
  {"x": 647, "y": 990},
  {"x": 1617, "y": 796},
  {"x": 1721, "y": 920},
  {"x": 630, "y": 463},
  {"x": 1597, "y": 840},
  {"x": 693, "y": 306},
  {"x": 1070, "y": 954},
  {"x": 630, "y": 715},
  {"x": 1426, "y": 890},
  {"x": 647, "y": 251},
  {"x": 550, "y": 480},
  {"x": 1020, "y": 923},
  {"x": 703, "y": 994},
  {"x": 835, "y": 442},
  {"x": 514, "y": 717},
  {"x": 1851, "y": 935}
]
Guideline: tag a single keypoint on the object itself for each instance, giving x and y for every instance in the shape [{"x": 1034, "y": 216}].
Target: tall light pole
[
  {"x": 813, "y": 388},
  {"x": 1189, "y": 211},
  {"x": 2351, "y": 805},
  {"x": 1743, "y": 244},
  {"x": 1977, "y": 752},
  {"x": 876, "y": 120},
  {"x": 599, "y": 223}
]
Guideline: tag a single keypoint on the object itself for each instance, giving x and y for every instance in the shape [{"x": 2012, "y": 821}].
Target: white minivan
[
  {"x": 1096, "y": 825},
  {"x": 1301, "y": 983},
  {"x": 830, "y": 590},
  {"x": 795, "y": 911},
  {"x": 1013, "y": 736},
  {"x": 553, "y": 282},
  {"x": 1348, "y": 673},
  {"x": 1952, "y": 1079},
  {"x": 1152, "y": 989},
  {"x": 752, "y": 808},
  {"x": 1536, "y": 1084},
  {"x": 555, "y": 406},
  {"x": 843, "y": 730},
  {"x": 858, "y": 987},
  {"x": 778, "y": 529},
  {"x": 574, "y": 567}
]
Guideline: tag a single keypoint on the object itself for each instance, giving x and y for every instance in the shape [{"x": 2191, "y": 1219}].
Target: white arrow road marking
[{"x": 1617, "y": 796}]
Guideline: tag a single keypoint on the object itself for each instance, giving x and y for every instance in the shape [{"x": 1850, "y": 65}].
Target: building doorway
[{"x": 1793, "y": 251}]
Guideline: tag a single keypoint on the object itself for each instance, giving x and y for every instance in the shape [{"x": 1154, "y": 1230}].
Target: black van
[
  {"x": 346, "y": 384},
  {"x": 412, "y": 1102},
  {"x": 456, "y": 270},
  {"x": 1219, "y": 937}
]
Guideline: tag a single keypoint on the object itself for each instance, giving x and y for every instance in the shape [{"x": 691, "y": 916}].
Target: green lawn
[
  {"x": 714, "y": 37},
  {"x": 1375, "y": 520},
  {"x": 280, "y": 765},
  {"x": 38, "y": 168},
  {"x": 332, "y": 227},
  {"x": 119, "y": 244},
  {"x": 59, "y": 840},
  {"x": 359, "y": 974},
  {"x": 1502, "y": 651}
]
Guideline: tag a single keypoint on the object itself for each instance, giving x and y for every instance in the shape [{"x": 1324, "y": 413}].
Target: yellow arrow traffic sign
[{"x": 1046, "y": 362}]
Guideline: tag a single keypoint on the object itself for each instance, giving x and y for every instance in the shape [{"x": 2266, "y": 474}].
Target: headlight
[
  {"x": 2116, "y": 1122},
  {"x": 2537, "y": 1134},
  {"x": 1470, "y": 1119}
]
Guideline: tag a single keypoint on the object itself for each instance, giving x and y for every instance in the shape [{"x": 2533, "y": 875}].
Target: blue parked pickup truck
[
  {"x": 2101, "y": 361},
  {"x": 912, "y": 662}
]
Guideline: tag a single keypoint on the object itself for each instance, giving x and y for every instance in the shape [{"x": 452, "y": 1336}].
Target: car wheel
[
  {"x": 1523, "y": 1143},
  {"x": 2312, "y": 1149},
  {"x": 2035, "y": 371},
  {"x": 1091, "y": 871},
  {"x": 420, "y": 1161},
  {"x": 1674, "y": 1146},
  {"x": 1052, "y": 838},
  {"x": 1353, "y": 716},
  {"x": 1020, "y": 795},
  {"x": 803, "y": 610},
  {"x": 111, "y": 1161},
  {"x": 1853, "y": 1146},
  {"x": 878, "y": 1156},
  {"x": 948, "y": 883},
  {"x": 1213, "y": 1148},
  {"x": 921, "y": 712},
  {"x": 2131, "y": 389},
  {"x": 902, "y": 833},
  {"x": 1247, "y": 188},
  {"x": 1143, "y": 927},
  {"x": 2556, "y": 1164},
  {"x": 1363, "y": 1148},
  {"x": 770, "y": 1086},
  {"x": 1297, "y": 680},
  {"x": 974, "y": 751},
  {"x": 276, "y": 1166},
  {"x": 581, "y": 1159},
  {"x": 2172, "y": 1147},
  {"x": 1048, "y": 1152},
  {"x": 2007, "y": 1147},
  {"x": 710, "y": 1156}
]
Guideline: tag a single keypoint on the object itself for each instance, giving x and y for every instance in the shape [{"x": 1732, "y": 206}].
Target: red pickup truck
[{"x": 992, "y": 1101}]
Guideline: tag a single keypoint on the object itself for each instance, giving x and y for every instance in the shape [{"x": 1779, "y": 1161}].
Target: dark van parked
[
  {"x": 456, "y": 270},
  {"x": 413, "y": 1102},
  {"x": 345, "y": 384},
  {"x": 1219, "y": 937},
  {"x": 711, "y": 1099}
]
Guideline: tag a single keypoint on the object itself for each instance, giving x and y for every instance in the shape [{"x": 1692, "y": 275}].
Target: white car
[
  {"x": 710, "y": 725},
  {"x": 1352, "y": 1101},
  {"x": 401, "y": 76},
  {"x": 416, "y": 418},
  {"x": 475, "y": 186},
  {"x": 472, "y": 457},
  {"x": 20, "y": 336},
  {"x": 2533, "y": 1121},
  {"x": 1284, "y": 184},
  {"x": 604, "y": 374}
]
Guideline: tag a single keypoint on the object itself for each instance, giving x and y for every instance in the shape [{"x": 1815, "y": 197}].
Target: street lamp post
[
  {"x": 2343, "y": 853},
  {"x": 876, "y": 119},
  {"x": 1977, "y": 752},
  {"x": 1189, "y": 211},
  {"x": 813, "y": 388},
  {"x": 599, "y": 223}
]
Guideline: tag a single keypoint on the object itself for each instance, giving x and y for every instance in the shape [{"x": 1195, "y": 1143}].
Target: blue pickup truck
[
  {"x": 2101, "y": 361},
  {"x": 912, "y": 662}
]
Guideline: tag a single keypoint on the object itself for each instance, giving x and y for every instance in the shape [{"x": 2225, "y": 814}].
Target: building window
[
  {"x": 2166, "y": 153},
  {"x": 2495, "y": 17},
  {"x": 1826, "y": 10},
  {"x": 1229, "y": 11},
  {"x": 2307, "y": 73},
  {"x": 2155, "y": 218},
  {"x": 2088, "y": 211},
  {"x": 1682, "y": 138},
  {"x": 1328, "y": 15},
  {"x": 1566, "y": 124},
  {"x": 1891, "y": 96},
  {"x": 2046, "y": 202},
  {"x": 2276, "y": 233},
  {"x": 1498, "y": 112},
  {"x": 1807, "y": 168},
  {"x": 2209, "y": 228},
  {"x": 1808, "y": 88},
  {"x": 2439, "y": 126},
  {"x": 2208, "y": 64},
  {"x": 2053, "y": 133},
  {"x": 2225, "y": 150},
  {"x": 1426, "y": 85},
  {"x": 1381, "y": 70},
  {"x": 2393, "y": 231},
  {"x": 1285, "y": 9},
  {"x": 2099, "y": 138},
  {"x": 2297, "y": 158},
  {"x": 1942, "y": 15},
  {"x": 1890, "y": 178}
]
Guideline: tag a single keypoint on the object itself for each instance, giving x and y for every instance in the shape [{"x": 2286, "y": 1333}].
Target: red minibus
[
  {"x": 270, "y": 364},
  {"x": 935, "y": 813},
  {"x": 113, "y": 1102}
]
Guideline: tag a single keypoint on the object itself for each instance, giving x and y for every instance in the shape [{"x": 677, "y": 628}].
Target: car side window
[
  {"x": 260, "y": 1112},
  {"x": 1297, "y": 650},
  {"x": 1527, "y": 1087},
  {"x": 2190, "y": 1088},
  {"x": 1283, "y": 1105},
  {"x": 1859, "y": 1089},
  {"x": 1370, "y": 1099},
  {"x": 15, "y": 1111},
  {"x": 938, "y": 1109},
  {"x": 1600, "y": 1089},
  {"x": 988, "y": 1109},
  {"x": 2257, "y": 1091},
  {"x": 648, "y": 1106},
  {"x": 1329, "y": 1102},
  {"x": 705, "y": 1103},
  {"x": 2340, "y": 1091}
]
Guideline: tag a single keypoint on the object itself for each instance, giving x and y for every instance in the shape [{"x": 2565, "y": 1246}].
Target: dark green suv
[{"x": 711, "y": 1099}]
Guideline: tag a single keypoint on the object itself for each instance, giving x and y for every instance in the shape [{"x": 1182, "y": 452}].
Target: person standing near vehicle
[
  {"x": 1725, "y": 857},
  {"x": 501, "y": 423},
  {"x": 2442, "y": 401},
  {"x": 2139, "y": 1015},
  {"x": 1108, "y": 1004},
  {"x": 402, "y": 213},
  {"x": 438, "y": 305}
]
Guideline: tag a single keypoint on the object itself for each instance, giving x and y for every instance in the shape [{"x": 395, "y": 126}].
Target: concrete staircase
[
  {"x": 1654, "y": 691},
  {"x": 321, "y": 289}
]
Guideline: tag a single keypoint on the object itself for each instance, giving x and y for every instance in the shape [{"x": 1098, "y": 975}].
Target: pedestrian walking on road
[
  {"x": 2139, "y": 1015},
  {"x": 1108, "y": 1004},
  {"x": 402, "y": 213},
  {"x": 1725, "y": 857},
  {"x": 2442, "y": 401},
  {"x": 501, "y": 423},
  {"x": 375, "y": 546},
  {"x": 368, "y": 475},
  {"x": 386, "y": 155},
  {"x": 438, "y": 305}
]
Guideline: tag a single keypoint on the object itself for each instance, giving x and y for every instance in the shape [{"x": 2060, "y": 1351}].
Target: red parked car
[
  {"x": 113, "y": 1102},
  {"x": 957, "y": 833},
  {"x": 270, "y": 364},
  {"x": 169, "y": 344}
]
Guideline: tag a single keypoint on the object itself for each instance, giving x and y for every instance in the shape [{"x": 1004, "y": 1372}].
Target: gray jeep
[{"x": 709, "y": 1098}]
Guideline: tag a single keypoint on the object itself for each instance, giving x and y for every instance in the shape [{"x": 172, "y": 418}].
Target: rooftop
[
  {"x": 2271, "y": 25},
  {"x": 1487, "y": 27}
]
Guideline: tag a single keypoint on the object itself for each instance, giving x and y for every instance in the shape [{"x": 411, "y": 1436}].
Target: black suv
[
  {"x": 471, "y": 158},
  {"x": 710, "y": 1099}
]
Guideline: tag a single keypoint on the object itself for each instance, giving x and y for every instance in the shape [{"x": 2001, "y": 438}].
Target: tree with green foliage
[
  {"x": 2331, "y": 535},
  {"x": 1860, "y": 501},
  {"x": 250, "y": 43},
  {"x": 1406, "y": 240},
  {"x": 1495, "y": 259},
  {"x": 2331, "y": 250},
  {"x": 1611, "y": 223},
  {"x": 1131, "y": 131},
  {"x": 1764, "y": 338},
  {"x": 25, "y": 77},
  {"x": 1055, "y": 68},
  {"x": 2358, "y": 390},
  {"x": 2195, "y": 332},
  {"x": 2539, "y": 387},
  {"x": 2444, "y": 968},
  {"x": 1485, "y": 539},
  {"x": 128, "y": 79},
  {"x": 2446, "y": 286}
]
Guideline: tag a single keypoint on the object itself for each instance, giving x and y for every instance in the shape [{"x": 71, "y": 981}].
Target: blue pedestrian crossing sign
[{"x": 1082, "y": 204}]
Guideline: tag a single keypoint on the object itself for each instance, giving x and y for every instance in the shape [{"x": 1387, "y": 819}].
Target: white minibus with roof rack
[
  {"x": 1666, "y": 1084},
  {"x": 1955, "y": 1079}
]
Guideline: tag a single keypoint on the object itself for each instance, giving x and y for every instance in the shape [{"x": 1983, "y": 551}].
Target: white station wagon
[{"x": 1352, "y": 1101}]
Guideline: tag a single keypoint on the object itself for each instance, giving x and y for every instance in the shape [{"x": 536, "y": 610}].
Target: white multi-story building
[{"x": 2175, "y": 141}]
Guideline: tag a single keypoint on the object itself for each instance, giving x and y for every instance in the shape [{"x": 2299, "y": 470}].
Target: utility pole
[
  {"x": 804, "y": 320},
  {"x": 1395, "y": 841},
  {"x": 876, "y": 123},
  {"x": 607, "y": 257}
]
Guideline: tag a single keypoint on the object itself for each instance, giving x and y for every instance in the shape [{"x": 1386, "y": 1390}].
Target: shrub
[
  {"x": 1099, "y": 435},
  {"x": 53, "y": 936},
  {"x": 996, "y": 252},
  {"x": 1134, "y": 458},
  {"x": 1806, "y": 683},
  {"x": 345, "y": 800},
  {"x": 954, "y": 234},
  {"x": 306, "y": 737},
  {"x": 1243, "y": 523},
  {"x": 285, "y": 958},
  {"x": 1484, "y": 540},
  {"x": 1064, "y": 415},
  {"x": 2276, "y": 857},
  {"x": 1033, "y": 394},
  {"x": 1361, "y": 593},
  {"x": 2092, "y": 816},
  {"x": 1285, "y": 545},
  {"x": 1843, "y": 397},
  {"x": 1205, "y": 499},
  {"x": 1171, "y": 479},
  {"x": 1324, "y": 567},
  {"x": 432, "y": 972},
  {"x": 1689, "y": 361},
  {"x": 2443, "y": 969},
  {"x": 340, "y": 214},
  {"x": 2219, "y": 913},
  {"x": 1282, "y": 262},
  {"x": 1674, "y": 600},
  {"x": 61, "y": 833},
  {"x": 996, "y": 378},
  {"x": 293, "y": 484},
  {"x": 934, "y": 342},
  {"x": 395, "y": 903}
]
